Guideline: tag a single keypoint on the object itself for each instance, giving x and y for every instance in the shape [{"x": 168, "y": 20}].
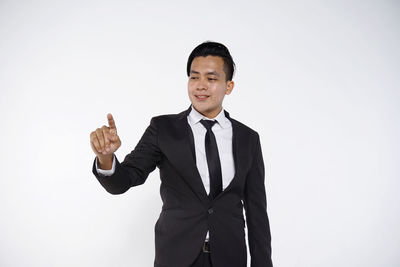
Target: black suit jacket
[{"x": 187, "y": 212}]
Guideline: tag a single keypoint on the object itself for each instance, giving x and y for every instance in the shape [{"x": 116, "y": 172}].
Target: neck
[{"x": 211, "y": 114}]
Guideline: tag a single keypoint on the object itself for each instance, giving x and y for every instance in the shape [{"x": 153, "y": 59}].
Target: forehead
[{"x": 207, "y": 64}]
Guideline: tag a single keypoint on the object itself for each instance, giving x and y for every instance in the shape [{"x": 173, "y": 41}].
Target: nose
[{"x": 201, "y": 85}]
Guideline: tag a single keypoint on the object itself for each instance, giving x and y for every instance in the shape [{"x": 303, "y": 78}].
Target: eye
[
  {"x": 212, "y": 79},
  {"x": 193, "y": 78}
]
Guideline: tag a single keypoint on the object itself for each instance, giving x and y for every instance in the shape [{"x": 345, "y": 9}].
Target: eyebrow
[{"x": 208, "y": 73}]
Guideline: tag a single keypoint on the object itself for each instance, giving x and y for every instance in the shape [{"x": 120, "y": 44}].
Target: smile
[{"x": 201, "y": 97}]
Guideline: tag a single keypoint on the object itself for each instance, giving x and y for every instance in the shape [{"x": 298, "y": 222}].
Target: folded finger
[
  {"x": 95, "y": 142},
  {"x": 106, "y": 134},
  {"x": 100, "y": 137}
]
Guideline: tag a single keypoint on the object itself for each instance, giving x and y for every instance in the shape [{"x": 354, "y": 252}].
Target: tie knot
[{"x": 208, "y": 124}]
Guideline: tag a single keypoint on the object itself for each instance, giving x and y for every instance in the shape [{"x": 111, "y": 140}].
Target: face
[{"x": 207, "y": 85}]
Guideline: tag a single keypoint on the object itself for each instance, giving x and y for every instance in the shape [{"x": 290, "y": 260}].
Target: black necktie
[{"x": 213, "y": 162}]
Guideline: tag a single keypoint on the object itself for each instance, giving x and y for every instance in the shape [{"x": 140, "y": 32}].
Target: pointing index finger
[{"x": 111, "y": 122}]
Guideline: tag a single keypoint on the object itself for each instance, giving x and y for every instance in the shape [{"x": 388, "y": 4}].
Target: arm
[
  {"x": 136, "y": 166},
  {"x": 255, "y": 204}
]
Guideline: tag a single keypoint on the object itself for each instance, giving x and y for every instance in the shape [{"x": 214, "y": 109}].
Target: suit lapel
[
  {"x": 186, "y": 158},
  {"x": 238, "y": 157}
]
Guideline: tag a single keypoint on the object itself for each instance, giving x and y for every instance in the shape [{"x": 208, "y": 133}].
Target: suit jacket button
[{"x": 210, "y": 211}]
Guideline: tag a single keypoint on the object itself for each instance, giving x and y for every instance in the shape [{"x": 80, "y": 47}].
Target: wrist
[{"x": 105, "y": 161}]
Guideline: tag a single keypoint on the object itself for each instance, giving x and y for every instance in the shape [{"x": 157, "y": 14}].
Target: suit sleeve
[
  {"x": 136, "y": 166},
  {"x": 255, "y": 204}
]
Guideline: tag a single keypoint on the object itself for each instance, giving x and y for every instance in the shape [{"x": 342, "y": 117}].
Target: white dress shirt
[{"x": 223, "y": 135}]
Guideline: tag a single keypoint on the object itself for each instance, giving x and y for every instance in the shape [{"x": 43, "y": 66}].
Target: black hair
[{"x": 213, "y": 49}]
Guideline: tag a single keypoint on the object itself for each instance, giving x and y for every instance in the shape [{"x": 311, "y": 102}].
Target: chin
[
  {"x": 199, "y": 108},
  {"x": 204, "y": 110}
]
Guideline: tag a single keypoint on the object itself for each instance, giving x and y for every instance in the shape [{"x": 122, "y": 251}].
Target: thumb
[{"x": 113, "y": 133}]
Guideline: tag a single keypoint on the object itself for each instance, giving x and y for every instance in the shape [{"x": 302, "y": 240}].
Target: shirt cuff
[{"x": 106, "y": 172}]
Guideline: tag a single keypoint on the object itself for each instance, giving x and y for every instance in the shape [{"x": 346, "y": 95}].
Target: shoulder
[
  {"x": 244, "y": 129},
  {"x": 167, "y": 119},
  {"x": 247, "y": 135}
]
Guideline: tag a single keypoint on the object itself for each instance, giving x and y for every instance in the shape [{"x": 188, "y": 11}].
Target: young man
[{"x": 210, "y": 167}]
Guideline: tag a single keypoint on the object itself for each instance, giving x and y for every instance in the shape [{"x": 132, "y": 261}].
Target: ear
[{"x": 229, "y": 87}]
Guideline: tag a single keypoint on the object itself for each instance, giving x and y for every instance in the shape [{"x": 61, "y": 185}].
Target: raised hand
[{"x": 105, "y": 140}]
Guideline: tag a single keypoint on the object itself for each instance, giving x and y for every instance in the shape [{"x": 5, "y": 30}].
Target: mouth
[{"x": 201, "y": 97}]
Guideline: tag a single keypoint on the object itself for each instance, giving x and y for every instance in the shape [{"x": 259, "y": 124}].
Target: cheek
[
  {"x": 191, "y": 86},
  {"x": 220, "y": 91},
  {"x": 190, "y": 90},
  {"x": 191, "y": 93}
]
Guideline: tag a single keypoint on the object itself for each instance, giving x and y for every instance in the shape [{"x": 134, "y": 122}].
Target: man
[{"x": 210, "y": 167}]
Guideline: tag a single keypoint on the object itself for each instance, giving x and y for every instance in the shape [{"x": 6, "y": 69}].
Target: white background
[{"x": 319, "y": 81}]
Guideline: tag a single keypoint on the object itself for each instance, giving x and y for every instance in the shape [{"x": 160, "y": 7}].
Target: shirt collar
[{"x": 196, "y": 117}]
